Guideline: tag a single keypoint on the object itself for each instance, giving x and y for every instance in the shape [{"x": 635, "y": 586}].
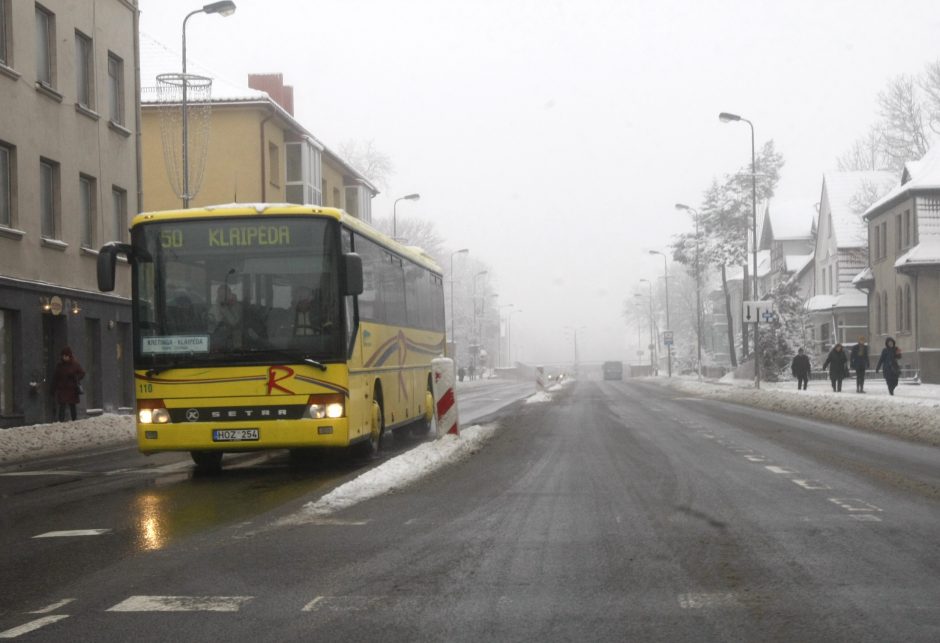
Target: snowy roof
[
  {"x": 843, "y": 300},
  {"x": 791, "y": 219},
  {"x": 841, "y": 189},
  {"x": 156, "y": 58},
  {"x": 925, "y": 253},
  {"x": 864, "y": 277},
  {"x": 796, "y": 263},
  {"x": 920, "y": 175}
]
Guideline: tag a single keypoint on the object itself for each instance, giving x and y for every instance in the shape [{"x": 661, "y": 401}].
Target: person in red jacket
[{"x": 65, "y": 383}]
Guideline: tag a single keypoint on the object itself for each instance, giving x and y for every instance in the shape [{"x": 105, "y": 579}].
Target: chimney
[{"x": 274, "y": 85}]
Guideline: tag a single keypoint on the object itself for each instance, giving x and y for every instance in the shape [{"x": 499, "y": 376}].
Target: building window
[
  {"x": 907, "y": 228},
  {"x": 6, "y": 361},
  {"x": 119, "y": 213},
  {"x": 877, "y": 314},
  {"x": 908, "y": 304},
  {"x": 899, "y": 308},
  {"x": 884, "y": 311},
  {"x": 84, "y": 70},
  {"x": 6, "y": 35},
  {"x": 304, "y": 173},
  {"x": 897, "y": 232},
  {"x": 45, "y": 46},
  {"x": 116, "y": 88},
  {"x": 274, "y": 165},
  {"x": 6, "y": 184},
  {"x": 87, "y": 206},
  {"x": 883, "y": 249},
  {"x": 49, "y": 198},
  {"x": 873, "y": 251}
]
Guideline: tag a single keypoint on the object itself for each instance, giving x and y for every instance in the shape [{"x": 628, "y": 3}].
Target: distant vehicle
[{"x": 613, "y": 370}]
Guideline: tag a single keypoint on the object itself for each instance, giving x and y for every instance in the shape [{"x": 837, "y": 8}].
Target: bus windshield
[{"x": 237, "y": 291}]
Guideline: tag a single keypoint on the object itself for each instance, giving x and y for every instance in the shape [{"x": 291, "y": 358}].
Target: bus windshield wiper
[{"x": 296, "y": 355}]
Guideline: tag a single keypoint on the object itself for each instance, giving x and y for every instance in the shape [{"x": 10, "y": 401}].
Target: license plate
[{"x": 234, "y": 435}]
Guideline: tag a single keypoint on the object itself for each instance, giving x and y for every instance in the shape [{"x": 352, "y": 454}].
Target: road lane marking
[
  {"x": 32, "y": 626},
  {"x": 53, "y": 607},
  {"x": 865, "y": 517},
  {"x": 45, "y": 472},
  {"x": 336, "y": 521},
  {"x": 181, "y": 604},
  {"x": 707, "y": 600},
  {"x": 342, "y": 603},
  {"x": 146, "y": 471},
  {"x": 810, "y": 484},
  {"x": 854, "y": 504},
  {"x": 755, "y": 458},
  {"x": 73, "y": 532},
  {"x": 782, "y": 470}
]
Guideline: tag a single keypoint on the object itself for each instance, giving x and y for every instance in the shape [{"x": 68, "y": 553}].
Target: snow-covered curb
[
  {"x": 25, "y": 442},
  {"x": 911, "y": 419},
  {"x": 396, "y": 473}
]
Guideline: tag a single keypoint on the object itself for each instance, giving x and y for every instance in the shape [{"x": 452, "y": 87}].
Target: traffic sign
[
  {"x": 667, "y": 337},
  {"x": 753, "y": 312}
]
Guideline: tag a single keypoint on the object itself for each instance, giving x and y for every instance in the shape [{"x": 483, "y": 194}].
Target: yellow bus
[{"x": 276, "y": 326}]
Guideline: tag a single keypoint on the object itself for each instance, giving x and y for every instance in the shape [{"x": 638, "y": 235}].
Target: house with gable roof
[
  {"x": 902, "y": 278},
  {"x": 787, "y": 232},
  {"x": 838, "y": 311}
]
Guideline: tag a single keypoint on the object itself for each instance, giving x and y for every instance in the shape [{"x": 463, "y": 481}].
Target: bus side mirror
[
  {"x": 107, "y": 260},
  {"x": 353, "y": 266}
]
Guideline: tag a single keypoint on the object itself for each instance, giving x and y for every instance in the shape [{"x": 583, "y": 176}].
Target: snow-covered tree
[
  {"x": 368, "y": 160},
  {"x": 779, "y": 340}
]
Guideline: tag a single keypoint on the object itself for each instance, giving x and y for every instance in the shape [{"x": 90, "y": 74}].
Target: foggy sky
[{"x": 552, "y": 138}]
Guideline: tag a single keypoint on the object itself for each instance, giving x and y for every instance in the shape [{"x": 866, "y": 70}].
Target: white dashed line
[
  {"x": 53, "y": 607},
  {"x": 755, "y": 458},
  {"x": 855, "y": 505},
  {"x": 73, "y": 532},
  {"x": 342, "y": 603},
  {"x": 810, "y": 484},
  {"x": 336, "y": 521},
  {"x": 781, "y": 470},
  {"x": 698, "y": 601},
  {"x": 181, "y": 604},
  {"x": 865, "y": 517},
  {"x": 32, "y": 626},
  {"x": 44, "y": 472}
]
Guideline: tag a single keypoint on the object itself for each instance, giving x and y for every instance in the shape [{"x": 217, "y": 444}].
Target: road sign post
[
  {"x": 755, "y": 312},
  {"x": 667, "y": 342}
]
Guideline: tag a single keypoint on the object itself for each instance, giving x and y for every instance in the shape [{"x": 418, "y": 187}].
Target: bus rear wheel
[{"x": 207, "y": 461}]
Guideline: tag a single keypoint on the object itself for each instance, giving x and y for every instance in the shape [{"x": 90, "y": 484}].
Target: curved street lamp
[
  {"x": 407, "y": 197},
  {"x": 225, "y": 9},
  {"x": 726, "y": 117}
]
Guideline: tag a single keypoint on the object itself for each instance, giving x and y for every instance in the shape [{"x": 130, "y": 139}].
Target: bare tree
[
  {"x": 368, "y": 160},
  {"x": 415, "y": 232},
  {"x": 866, "y": 153},
  {"x": 904, "y": 121}
]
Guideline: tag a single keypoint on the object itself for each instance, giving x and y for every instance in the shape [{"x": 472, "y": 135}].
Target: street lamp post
[
  {"x": 509, "y": 333},
  {"x": 407, "y": 197},
  {"x": 668, "y": 325},
  {"x": 224, "y": 8},
  {"x": 473, "y": 329},
  {"x": 652, "y": 346},
  {"x": 726, "y": 117},
  {"x": 499, "y": 339},
  {"x": 453, "y": 335},
  {"x": 698, "y": 288}
]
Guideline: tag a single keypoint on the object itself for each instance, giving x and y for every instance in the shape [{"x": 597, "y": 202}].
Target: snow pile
[
  {"x": 396, "y": 473},
  {"x": 541, "y": 396},
  {"x": 22, "y": 442},
  {"x": 912, "y": 417}
]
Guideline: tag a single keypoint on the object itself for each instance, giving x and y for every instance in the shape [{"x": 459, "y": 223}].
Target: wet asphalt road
[{"x": 618, "y": 511}]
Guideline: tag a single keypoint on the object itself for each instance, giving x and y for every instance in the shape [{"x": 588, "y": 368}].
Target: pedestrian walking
[
  {"x": 66, "y": 384},
  {"x": 800, "y": 368},
  {"x": 838, "y": 364},
  {"x": 890, "y": 363},
  {"x": 860, "y": 362}
]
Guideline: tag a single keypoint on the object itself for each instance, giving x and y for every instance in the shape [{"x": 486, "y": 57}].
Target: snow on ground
[
  {"x": 913, "y": 412},
  {"x": 396, "y": 473},
  {"x": 26, "y": 442}
]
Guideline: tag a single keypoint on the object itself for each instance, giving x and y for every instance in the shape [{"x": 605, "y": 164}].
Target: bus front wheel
[{"x": 370, "y": 448}]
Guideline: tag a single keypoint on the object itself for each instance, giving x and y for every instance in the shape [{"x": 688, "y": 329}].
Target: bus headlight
[
  {"x": 152, "y": 412},
  {"x": 320, "y": 407}
]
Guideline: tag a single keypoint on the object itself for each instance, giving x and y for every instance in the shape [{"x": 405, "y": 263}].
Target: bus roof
[{"x": 413, "y": 253}]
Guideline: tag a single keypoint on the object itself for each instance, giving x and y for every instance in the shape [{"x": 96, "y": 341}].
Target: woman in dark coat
[
  {"x": 65, "y": 382},
  {"x": 889, "y": 361},
  {"x": 837, "y": 361},
  {"x": 859, "y": 361}
]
